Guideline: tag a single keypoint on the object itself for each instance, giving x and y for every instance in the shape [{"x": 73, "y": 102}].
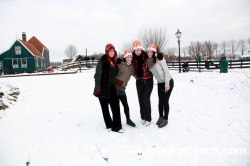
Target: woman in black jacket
[
  {"x": 144, "y": 82},
  {"x": 105, "y": 90}
]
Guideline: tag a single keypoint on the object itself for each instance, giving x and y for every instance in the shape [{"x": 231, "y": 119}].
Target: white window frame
[
  {"x": 37, "y": 62},
  {"x": 18, "y": 50},
  {"x": 15, "y": 66},
  {"x": 23, "y": 65},
  {"x": 41, "y": 62}
]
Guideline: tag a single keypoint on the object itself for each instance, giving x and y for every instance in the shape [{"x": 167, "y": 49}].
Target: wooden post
[{"x": 80, "y": 66}]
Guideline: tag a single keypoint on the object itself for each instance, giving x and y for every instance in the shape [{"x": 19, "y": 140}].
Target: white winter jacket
[{"x": 162, "y": 70}]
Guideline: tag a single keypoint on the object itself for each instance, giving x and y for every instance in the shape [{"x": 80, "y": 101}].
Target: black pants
[
  {"x": 144, "y": 89},
  {"x": 115, "y": 124},
  {"x": 123, "y": 99},
  {"x": 164, "y": 98}
]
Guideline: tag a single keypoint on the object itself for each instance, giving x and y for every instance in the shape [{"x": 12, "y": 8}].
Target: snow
[{"x": 57, "y": 121}]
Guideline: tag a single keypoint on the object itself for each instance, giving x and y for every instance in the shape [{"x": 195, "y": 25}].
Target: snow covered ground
[{"x": 57, "y": 121}]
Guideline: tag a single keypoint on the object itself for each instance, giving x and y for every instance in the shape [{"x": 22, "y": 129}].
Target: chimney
[{"x": 24, "y": 36}]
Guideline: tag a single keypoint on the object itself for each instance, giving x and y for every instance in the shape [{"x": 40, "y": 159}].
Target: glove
[{"x": 97, "y": 92}]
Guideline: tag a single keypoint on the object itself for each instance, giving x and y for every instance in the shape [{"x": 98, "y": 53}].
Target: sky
[{"x": 93, "y": 24}]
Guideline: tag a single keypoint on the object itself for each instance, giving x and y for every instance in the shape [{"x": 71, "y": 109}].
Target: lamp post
[{"x": 178, "y": 35}]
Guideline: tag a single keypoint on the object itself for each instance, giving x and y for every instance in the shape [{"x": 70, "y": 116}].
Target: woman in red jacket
[{"x": 144, "y": 82}]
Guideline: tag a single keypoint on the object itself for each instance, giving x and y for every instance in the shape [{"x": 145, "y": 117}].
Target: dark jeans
[
  {"x": 164, "y": 98},
  {"x": 115, "y": 124},
  {"x": 144, "y": 89},
  {"x": 123, "y": 99}
]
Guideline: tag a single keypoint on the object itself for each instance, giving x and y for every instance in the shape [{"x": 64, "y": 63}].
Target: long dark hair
[
  {"x": 154, "y": 57},
  {"x": 143, "y": 54}
]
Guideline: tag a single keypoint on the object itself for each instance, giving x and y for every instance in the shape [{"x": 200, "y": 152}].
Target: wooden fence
[
  {"x": 192, "y": 64},
  {"x": 212, "y": 64},
  {"x": 80, "y": 65}
]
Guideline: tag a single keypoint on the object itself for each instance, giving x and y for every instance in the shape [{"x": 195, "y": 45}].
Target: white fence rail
[{"x": 81, "y": 64}]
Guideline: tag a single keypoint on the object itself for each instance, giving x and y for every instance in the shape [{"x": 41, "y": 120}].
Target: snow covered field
[{"x": 57, "y": 121}]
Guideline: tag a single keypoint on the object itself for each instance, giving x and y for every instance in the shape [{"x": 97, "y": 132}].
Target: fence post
[{"x": 80, "y": 66}]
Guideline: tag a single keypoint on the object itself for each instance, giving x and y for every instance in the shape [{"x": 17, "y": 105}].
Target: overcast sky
[{"x": 92, "y": 24}]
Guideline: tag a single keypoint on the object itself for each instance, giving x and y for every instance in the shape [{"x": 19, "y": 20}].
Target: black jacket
[{"x": 104, "y": 77}]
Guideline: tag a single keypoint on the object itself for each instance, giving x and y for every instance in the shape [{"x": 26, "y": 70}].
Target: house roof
[
  {"x": 37, "y": 44},
  {"x": 67, "y": 60},
  {"x": 31, "y": 48}
]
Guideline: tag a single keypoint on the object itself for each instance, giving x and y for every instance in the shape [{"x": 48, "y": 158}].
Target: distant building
[
  {"x": 78, "y": 58},
  {"x": 25, "y": 56},
  {"x": 66, "y": 61},
  {"x": 55, "y": 64}
]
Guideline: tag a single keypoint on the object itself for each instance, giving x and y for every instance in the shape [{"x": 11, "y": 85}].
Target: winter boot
[
  {"x": 120, "y": 131},
  {"x": 142, "y": 121},
  {"x": 147, "y": 123},
  {"x": 159, "y": 120},
  {"x": 163, "y": 123},
  {"x": 130, "y": 123}
]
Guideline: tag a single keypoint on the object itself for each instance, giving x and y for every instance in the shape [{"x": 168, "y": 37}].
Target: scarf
[
  {"x": 140, "y": 65},
  {"x": 150, "y": 62}
]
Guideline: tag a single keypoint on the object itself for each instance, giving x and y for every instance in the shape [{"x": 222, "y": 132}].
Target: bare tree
[
  {"x": 156, "y": 35},
  {"x": 233, "y": 46},
  {"x": 195, "y": 49},
  {"x": 71, "y": 51},
  {"x": 203, "y": 50},
  {"x": 224, "y": 47},
  {"x": 97, "y": 56},
  {"x": 242, "y": 45},
  {"x": 209, "y": 49},
  {"x": 216, "y": 47},
  {"x": 184, "y": 50},
  {"x": 171, "y": 54},
  {"x": 191, "y": 50},
  {"x": 127, "y": 45},
  {"x": 248, "y": 40}
]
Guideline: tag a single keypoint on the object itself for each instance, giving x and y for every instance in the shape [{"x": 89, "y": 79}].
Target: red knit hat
[{"x": 107, "y": 49}]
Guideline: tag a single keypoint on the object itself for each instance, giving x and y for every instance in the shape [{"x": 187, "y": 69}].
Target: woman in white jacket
[{"x": 158, "y": 66}]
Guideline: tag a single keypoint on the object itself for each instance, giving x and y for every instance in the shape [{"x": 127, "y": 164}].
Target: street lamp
[{"x": 178, "y": 35}]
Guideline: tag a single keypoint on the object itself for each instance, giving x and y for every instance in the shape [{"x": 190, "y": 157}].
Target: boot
[
  {"x": 163, "y": 123},
  {"x": 130, "y": 123},
  {"x": 159, "y": 120}
]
